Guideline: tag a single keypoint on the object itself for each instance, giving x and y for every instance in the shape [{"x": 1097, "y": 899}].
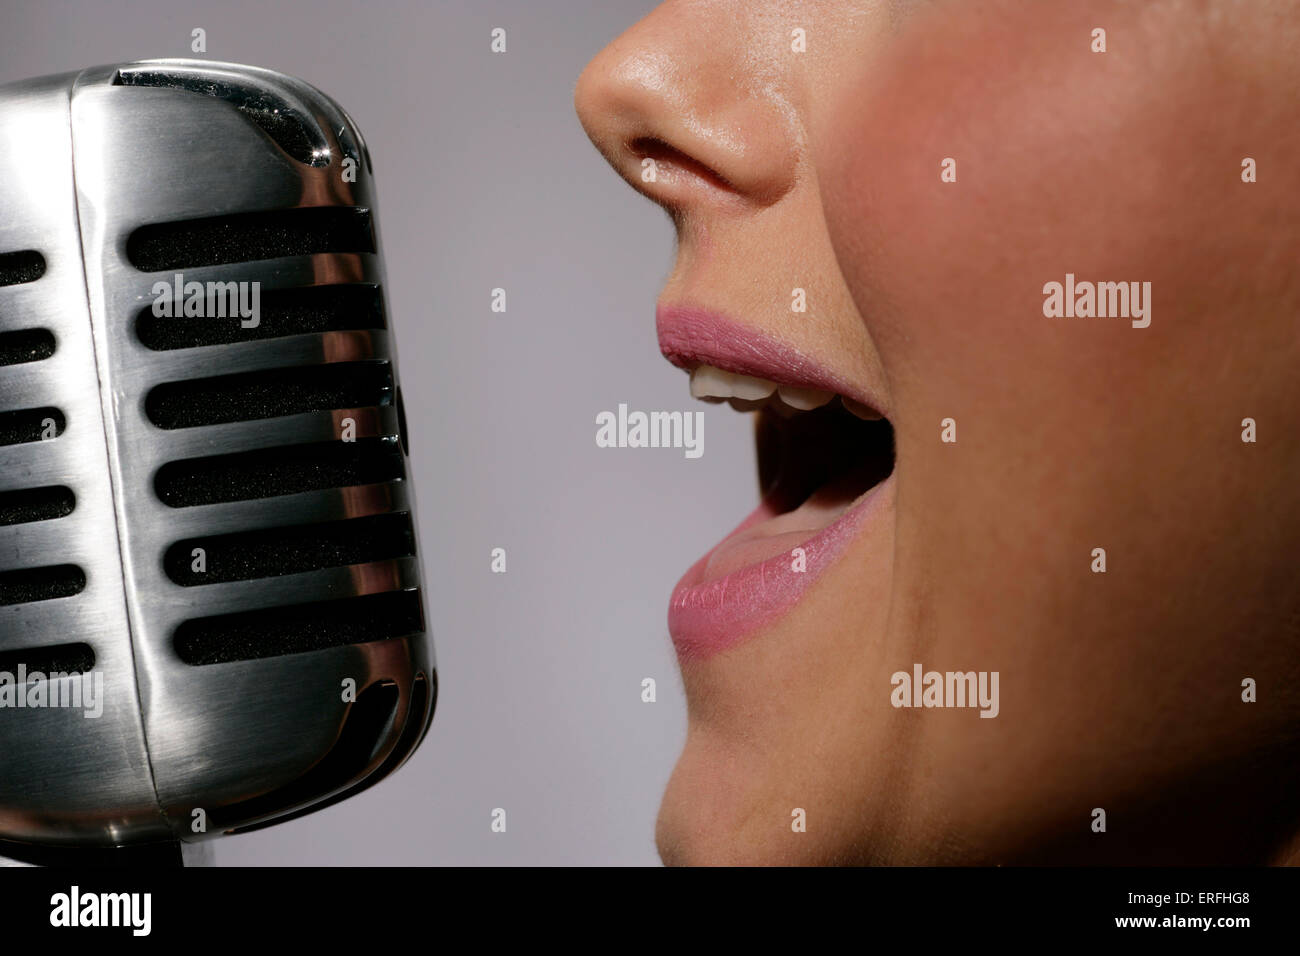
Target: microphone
[{"x": 211, "y": 607}]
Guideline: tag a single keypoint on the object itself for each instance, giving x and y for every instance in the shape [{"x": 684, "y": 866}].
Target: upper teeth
[
  {"x": 804, "y": 399},
  {"x": 708, "y": 382}
]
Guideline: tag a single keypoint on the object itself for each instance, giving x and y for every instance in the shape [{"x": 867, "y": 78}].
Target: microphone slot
[
  {"x": 30, "y": 585},
  {"x": 75, "y": 658},
  {"x": 36, "y": 504},
  {"x": 273, "y": 552},
  {"x": 247, "y": 237},
  {"x": 17, "y": 268},
  {"x": 31, "y": 424},
  {"x": 283, "y": 312},
  {"x": 272, "y": 472},
  {"x": 26, "y": 345},
  {"x": 250, "y": 396},
  {"x": 293, "y": 629}
]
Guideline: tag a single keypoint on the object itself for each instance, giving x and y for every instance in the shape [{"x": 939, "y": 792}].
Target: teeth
[
  {"x": 752, "y": 389},
  {"x": 745, "y": 393},
  {"x": 861, "y": 411},
  {"x": 710, "y": 382},
  {"x": 804, "y": 399}
]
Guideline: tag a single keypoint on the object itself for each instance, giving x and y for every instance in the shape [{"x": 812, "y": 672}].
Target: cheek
[
  {"x": 1113, "y": 167},
  {"x": 1072, "y": 433},
  {"x": 1066, "y": 162},
  {"x": 978, "y": 168}
]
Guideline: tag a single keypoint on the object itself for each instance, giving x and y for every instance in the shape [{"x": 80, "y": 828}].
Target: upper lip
[{"x": 690, "y": 336}]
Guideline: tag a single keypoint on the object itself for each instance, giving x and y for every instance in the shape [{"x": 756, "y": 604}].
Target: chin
[
  {"x": 708, "y": 816},
  {"x": 721, "y": 810}
]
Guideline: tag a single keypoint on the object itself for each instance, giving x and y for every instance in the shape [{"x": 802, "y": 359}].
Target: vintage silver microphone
[{"x": 206, "y": 519}]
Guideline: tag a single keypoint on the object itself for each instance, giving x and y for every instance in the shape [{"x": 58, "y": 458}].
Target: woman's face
[{"x": 824, "y": 169}]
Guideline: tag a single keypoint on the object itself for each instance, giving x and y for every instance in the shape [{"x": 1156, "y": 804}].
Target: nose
[{"x": 686, "y": 117}]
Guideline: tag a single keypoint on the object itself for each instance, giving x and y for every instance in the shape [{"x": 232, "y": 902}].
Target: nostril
[{"x": 664, "y": 154}]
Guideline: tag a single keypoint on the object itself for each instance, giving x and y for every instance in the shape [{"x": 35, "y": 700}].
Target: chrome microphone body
[{"x": 206, "y": 518}]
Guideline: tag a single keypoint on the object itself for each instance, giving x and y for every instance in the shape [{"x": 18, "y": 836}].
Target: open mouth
[
  {"x": 825, "y": 451},
  {"x": 818, "y": 453}
]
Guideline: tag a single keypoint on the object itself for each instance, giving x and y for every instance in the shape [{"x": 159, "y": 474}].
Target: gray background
[{"x": 486, "y": 179}]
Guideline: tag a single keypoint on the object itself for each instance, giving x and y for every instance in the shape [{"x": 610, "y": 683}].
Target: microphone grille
[{"x": 222, "y": 395}]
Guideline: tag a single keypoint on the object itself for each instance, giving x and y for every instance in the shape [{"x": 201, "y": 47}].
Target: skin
[{"x": 1119, "y": 690}]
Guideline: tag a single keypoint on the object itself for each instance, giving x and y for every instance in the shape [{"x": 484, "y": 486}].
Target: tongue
[{"x": 766, "y": 534}]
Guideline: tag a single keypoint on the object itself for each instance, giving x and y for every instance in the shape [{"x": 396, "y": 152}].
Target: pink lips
[
  {"x": 710, "y": 612},
  {"x": 689, "y": 337},
  {"x": 707, "y": 616}
]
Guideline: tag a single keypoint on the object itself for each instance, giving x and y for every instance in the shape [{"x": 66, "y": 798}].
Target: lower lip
[{"x": 706, "y": 617}]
